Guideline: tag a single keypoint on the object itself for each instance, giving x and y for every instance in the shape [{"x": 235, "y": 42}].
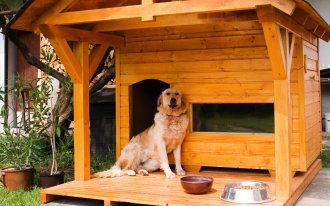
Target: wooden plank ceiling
[{"x": 120, "y": 15}]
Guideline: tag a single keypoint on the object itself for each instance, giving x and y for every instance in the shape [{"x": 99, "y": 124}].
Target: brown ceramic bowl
[{"x": 196, "y": 184}]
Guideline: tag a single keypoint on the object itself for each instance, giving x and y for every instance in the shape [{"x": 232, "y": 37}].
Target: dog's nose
[{"x": 173, "y": 101}]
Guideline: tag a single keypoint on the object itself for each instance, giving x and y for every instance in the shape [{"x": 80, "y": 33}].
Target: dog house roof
[{"x": 108, "y": 16}]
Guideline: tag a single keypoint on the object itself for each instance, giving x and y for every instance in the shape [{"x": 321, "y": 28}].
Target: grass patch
[
  {"x": 19, "y": 198},
  {"x": 325, "y": 157},
  {"x": 100, "y": 163}
]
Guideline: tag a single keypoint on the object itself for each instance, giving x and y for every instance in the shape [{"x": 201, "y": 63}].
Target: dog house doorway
[{"x": 143, "y": 101}]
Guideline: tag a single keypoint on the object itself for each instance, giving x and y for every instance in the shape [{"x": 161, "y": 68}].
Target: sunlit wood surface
[{"x": 155, "y": 189}]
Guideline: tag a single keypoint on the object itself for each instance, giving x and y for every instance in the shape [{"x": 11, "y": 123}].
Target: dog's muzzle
[
  {"x": 173, "y": 103},
  {"x": 173, "y": 106}
]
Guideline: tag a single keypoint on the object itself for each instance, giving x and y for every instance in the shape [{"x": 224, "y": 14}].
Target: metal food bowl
[
  {"x": 246, "y": 192},
  {"x": 196, "y": 184}
]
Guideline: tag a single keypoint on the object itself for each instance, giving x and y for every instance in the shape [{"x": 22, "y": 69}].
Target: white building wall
[{"x": 2, "y": 70}]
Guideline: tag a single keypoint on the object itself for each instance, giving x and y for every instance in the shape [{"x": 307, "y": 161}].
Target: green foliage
[
  {"x": 19, "y": 150},
  {"x": 101, "y": 163},
  {"x": 24, "y": 145},
  {"x": 325, "y": 157},
  {"x": 65, "y": 153},
  {"x": 11, "y": 4},
  {"x": 19, "y": 198}
]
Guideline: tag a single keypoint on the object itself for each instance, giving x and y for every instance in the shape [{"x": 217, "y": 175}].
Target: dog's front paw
[
  {"x": 103, "y": 174},
  {"x": 180, "y": 172},
  {"x": 170, "y": 174},
  {"x": 130, "y": 172}
]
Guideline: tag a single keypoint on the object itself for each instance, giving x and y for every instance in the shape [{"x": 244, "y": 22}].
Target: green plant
[
  {"x": 19, "y": 198},
  {"x": 20, "y": 150},
  {"x": 100, "y": 163},
  {"x": 325, "y": 157},
  {"x": 24, "y": 144}
]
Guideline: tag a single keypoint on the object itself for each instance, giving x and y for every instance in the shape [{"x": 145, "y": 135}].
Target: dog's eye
[
  {"x": 176, "y": 93},
  {"x": 167, "y": 93}
]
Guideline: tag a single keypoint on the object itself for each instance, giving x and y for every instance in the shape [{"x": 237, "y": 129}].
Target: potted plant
[
  {"x": 52, "y": 177},
  {"x": 20, "y": 147},
  {"x": 18, "y": 152}
]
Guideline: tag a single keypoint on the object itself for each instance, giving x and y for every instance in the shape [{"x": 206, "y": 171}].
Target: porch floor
[{"x": 155, "y": 189}]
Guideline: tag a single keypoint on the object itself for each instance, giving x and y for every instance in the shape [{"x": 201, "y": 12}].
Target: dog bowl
[
  {"x": 246, "y": 192},
  {"x": 196, "y": 184}
]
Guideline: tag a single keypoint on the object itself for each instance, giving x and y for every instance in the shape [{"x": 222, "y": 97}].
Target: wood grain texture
[
  {"x": 165, "y": 8},
  {"x": 81, "y": 114},
  {"x": 155, "y": 189}
]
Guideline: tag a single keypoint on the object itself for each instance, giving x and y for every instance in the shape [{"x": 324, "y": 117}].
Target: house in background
[
  {"x": 14, "y": 63},
  {"x": 2, "y": 69},
  {"x": 102, "y": 104},
  {"x": 325, "y": 99}
]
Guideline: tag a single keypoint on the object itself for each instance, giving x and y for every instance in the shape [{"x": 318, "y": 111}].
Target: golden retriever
[{"x": 147, "y": 151}]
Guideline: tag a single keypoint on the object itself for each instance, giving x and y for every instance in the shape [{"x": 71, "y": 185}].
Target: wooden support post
[
  {"x": 64, "y": 51},
  {"x": 118, "y": 103},
  {"x": 275, "y": 49},
  {"x": 81, "y": 114},
  {"x": 44, "y": 197},
  {"x": 280, "y": 48},
  {"x": 283, "y": 133},
  {"x": 147, "y": 17}
]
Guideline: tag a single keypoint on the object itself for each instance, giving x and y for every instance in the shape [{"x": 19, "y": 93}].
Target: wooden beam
[
  {"x": 283, "y": 136},
  {"x": 73, "y": 34},
  {"x": 305, "y": 6},
  {"x": 268, "y": 13},
  {"x": 81, "y": 114},
  {"x": 118, "y": 102},
  {"x": 178, "y": 20},
  {"x": 275, "y": 49},
  {"x": 95, "y": 58},
  {"x": 166, "y": 8},
  {"x": 69, "y": 61},
  {"x": 51, "y": 13},
  {"x": 147, "y": 16},
  {"x": 288, "y": 40},
  {"x": 292, "y": 39},
  {"x": 280, "y": 49}
]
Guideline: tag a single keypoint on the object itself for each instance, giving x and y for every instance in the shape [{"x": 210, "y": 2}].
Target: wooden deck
[{"x": 155, "y": 189}]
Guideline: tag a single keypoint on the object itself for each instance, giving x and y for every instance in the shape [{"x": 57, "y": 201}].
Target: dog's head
[{"x": 171, "y": 102}]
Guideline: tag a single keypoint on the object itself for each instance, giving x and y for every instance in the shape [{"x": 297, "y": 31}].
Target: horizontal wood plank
[
  {"x": 196, "y": 43},
  {"x": 235, "y": 65},
  {"x": 190, "y": 32},
  {"x": 196, "y": 55},
  {"x": 258, "y": 88},
  {"x": 163, "y": 9},
  {"x": 177, "y": 20}
]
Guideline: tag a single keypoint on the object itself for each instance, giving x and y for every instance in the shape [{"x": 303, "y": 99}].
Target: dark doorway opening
[{"x": 143, "y": 101}]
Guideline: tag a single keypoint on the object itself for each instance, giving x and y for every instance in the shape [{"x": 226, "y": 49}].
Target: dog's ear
[
  {"x": 160, "y": 100},
  {"x": 183, "y": 104}
]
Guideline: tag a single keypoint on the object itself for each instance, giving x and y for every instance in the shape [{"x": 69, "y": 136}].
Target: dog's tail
[{"x": 115, "y": 171}]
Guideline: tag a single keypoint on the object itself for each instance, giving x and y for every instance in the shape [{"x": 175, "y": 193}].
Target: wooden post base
[{"x": 192, "y": 168}]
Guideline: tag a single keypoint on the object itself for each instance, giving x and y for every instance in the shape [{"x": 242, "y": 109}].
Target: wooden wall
[
  {"x": 225, "y": 63},
  {"x": 312, "y": 102}
]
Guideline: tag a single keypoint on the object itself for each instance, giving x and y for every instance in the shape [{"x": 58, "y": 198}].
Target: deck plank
[{"x": 155, "y": 189}]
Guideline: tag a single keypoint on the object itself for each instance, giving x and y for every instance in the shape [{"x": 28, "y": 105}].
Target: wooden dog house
[{"x": 217, "y": 52}]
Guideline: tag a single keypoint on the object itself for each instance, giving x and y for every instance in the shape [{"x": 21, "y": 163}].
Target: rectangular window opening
[{"x": 234, "y": 118}]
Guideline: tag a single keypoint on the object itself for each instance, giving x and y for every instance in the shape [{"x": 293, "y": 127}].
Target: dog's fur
[{"x": 147, "y": 151}]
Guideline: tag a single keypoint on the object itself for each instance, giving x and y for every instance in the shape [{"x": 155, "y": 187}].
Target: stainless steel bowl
[{"x": 246, "y": 192}]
